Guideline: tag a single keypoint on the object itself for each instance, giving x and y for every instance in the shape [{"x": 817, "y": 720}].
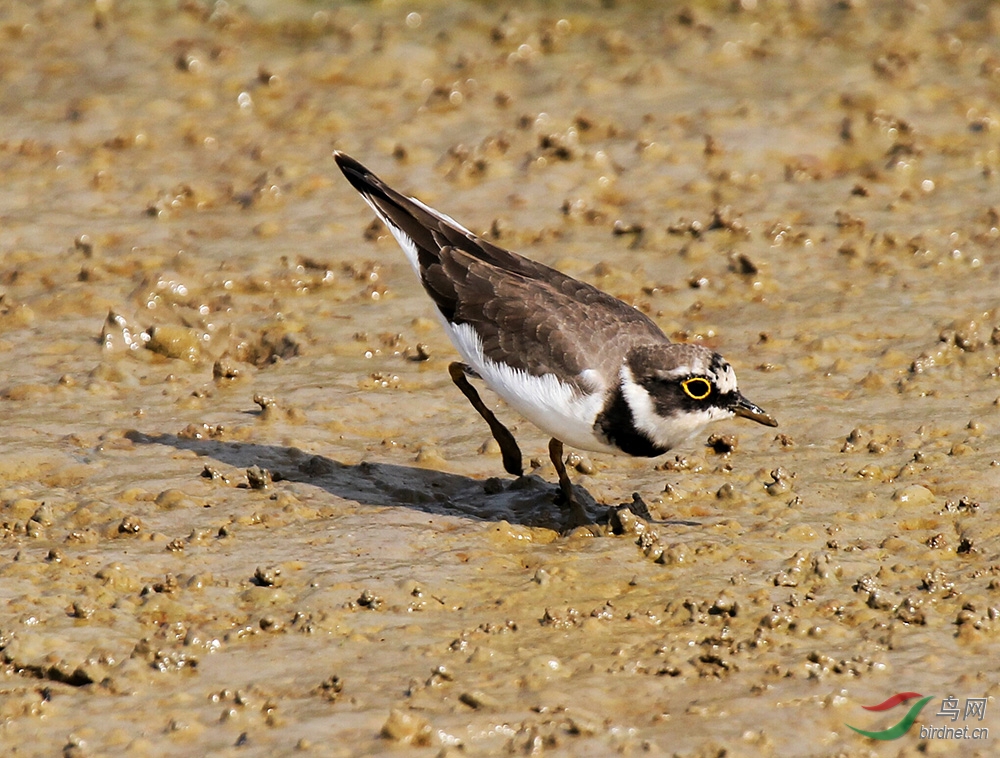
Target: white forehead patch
[{"x": 726, "y": 379}]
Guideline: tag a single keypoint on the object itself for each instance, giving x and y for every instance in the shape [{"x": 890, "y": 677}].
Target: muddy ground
[{"x": 244, "y": 510}]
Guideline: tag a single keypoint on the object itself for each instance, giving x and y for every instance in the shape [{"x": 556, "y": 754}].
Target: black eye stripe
[
  {"x": 670, "y": 397},
  {"x": 726, "y": 399}
]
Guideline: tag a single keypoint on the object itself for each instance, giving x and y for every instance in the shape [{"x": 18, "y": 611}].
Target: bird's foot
[{"x": 578, "y": 522}]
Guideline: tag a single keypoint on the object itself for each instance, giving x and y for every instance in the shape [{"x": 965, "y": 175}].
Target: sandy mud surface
[{"x": 245, "y": 512}]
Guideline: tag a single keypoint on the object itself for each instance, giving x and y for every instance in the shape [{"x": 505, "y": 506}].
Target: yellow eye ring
[{"x": 697, "y": 388}]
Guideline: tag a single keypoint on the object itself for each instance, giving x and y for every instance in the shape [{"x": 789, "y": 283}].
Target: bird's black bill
[{"x": 746, "y": 409}]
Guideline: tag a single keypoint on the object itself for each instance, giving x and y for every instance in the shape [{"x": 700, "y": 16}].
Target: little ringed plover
[{"x": 587, "y": 369}]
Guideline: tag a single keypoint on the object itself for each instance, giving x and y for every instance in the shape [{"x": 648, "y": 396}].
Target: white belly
[{"x": 557, "y": 409}]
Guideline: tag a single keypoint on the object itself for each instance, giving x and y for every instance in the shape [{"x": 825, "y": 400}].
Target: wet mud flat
[{"x": 244, "y": 510}]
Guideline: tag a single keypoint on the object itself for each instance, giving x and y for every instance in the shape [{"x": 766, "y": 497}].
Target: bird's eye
[{"x": 697, "y": 388}]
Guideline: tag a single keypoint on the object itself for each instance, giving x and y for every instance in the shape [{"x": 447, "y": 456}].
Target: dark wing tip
[
  {"x": 396, "y": 210},
  {"x": 360, "y": 177},
  {"x": 345, "y": 161}
]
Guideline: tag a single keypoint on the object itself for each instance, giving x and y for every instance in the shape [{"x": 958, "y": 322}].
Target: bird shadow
[{"x": 526, "y": 500}]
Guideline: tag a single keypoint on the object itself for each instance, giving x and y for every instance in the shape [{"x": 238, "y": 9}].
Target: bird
[{"x": 586, "y": 368}]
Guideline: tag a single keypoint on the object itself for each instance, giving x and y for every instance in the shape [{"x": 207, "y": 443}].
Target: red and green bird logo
[{"x": 901, "y": 728}]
